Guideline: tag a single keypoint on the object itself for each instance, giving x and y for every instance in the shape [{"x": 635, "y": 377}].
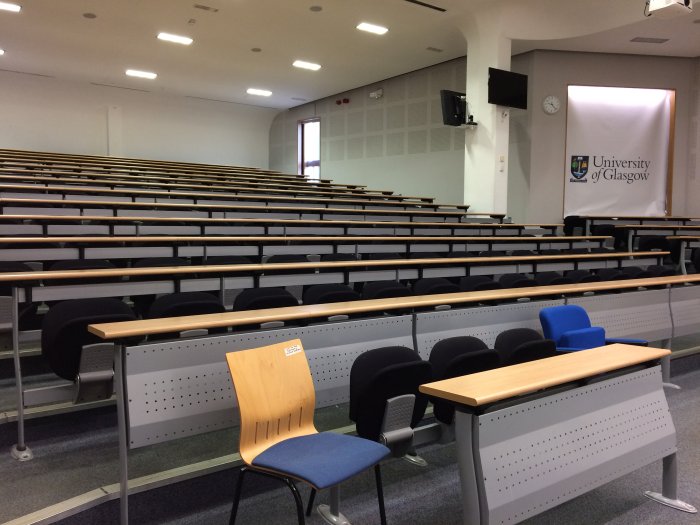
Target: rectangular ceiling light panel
[
  {"x": 177, "y": 39},
  {"x": 141, "y": 74},
  {"x": 259, "y": 92},
  {"x": 5, "y": 6},
  {"x": 372, "y": 28},
  {"x": 306, "y": 65}
]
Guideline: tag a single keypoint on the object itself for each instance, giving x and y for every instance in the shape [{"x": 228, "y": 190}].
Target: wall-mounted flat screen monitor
[
  {"x": 507, "y": 88},
  {"x": 454, "y": 107}
]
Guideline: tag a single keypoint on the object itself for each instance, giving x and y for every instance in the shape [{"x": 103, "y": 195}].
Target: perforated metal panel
[
  {"x": 482, "y": 322},
  {"x": 182, "y": 388},
  {"x": 685, "y": 309},
  {"x": 643, "y": 314},
  {"x": 541, "y": 453}
]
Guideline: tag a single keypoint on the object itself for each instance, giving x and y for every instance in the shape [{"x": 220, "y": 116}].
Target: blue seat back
[{"x": 557, "y": 320}]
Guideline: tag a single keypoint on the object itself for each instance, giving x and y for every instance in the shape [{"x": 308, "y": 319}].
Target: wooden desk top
[
  {"x": 670, "y": 227},
  {"x": 637, "y": 217},
  {"x": 684, "y": 237},
  {"x": 291, "y": 222},
  {"x": 234, "y": 207},
  {"x": 511, "y": 381},
  {"x": 310, "y": 266},
  {"x": 220, "y": 195},
  {"x": 178, "y": 324},
  {"x": 255, "y": 239}
]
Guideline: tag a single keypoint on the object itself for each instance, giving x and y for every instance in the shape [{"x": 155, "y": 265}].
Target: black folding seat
[
  {"x": 384, "y": 388},
  {"x": 574, "y": 225},
  {"x": 336, "y": 257},
  {"x": 523, "y": 253},
  {"x": 552, "y": 251},
  {"x": 434, "y": 285},
  {"x": 461, "y": 254},
  {"x": 635, "y": 272},
  {"x": 227, "y": 259},
  {"x": 82, "y": 264},
  {"x": 476, "y": 283},
  {"x": 29, "y": 318},
  {"x": 492, "y": 253},
  {"x": 582, "y": 276},
  {"x": 287, "y": 258},
  {"x": 183, "y": 304},
  {"x": 384, "y": 289},
  {"x": 520, "y": 345},
  {"x": 516, "y": 280},
  {"x": 454, "y": 357},
  {"x": 69, "y": 347},
  {"x": 551, "y": 278},
  {"x": 661, "y": 270},
  {"x": 425, "y": 255},
  {"x": 612, "y": 274},
  {"x": 329, "y": 293},
  {"x": 260, "y": 298},
  {"x": 143, "y": 302},
  {"x": 382, "y": 256}
]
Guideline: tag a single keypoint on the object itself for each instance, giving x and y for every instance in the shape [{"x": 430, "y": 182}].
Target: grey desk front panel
[
  {"x": 180, "y": 388},
  {"x": 539, "y": 454},
  {"x": 642, "y": 314},
  {"x": 685, "y": 308}
]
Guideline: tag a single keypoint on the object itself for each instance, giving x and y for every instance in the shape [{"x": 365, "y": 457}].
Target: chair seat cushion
[
  {"x": 584, "y": 338},
  {"x": 323, "y": 459}
]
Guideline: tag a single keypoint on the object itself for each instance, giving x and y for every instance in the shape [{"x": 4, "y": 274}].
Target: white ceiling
[{"x": 53, "y": 38}]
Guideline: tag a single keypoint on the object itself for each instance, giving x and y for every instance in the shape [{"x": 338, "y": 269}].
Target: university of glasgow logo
[{"x": 579, "y": 166}]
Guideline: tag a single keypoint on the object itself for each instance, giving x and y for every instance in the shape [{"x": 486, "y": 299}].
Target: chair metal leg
[
  {"x": 297, "y": 500},
  {"x": 310, "y": 505},
  {"x": 237, "y": 496},
  {"x": 380, "y": 493}
]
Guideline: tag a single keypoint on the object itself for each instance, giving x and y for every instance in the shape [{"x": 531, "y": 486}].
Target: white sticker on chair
[{"x": 294, "y": 349}]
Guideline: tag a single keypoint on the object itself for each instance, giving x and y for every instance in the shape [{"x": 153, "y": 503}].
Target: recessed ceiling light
[
  {"x": 5, "y": 6},
  {"x": 255, "y": 49},
  {"x": 141, "y": 74},
  {"x": 306, "y": 65},
  {"x": 259, "y": 92},
  {"x": 371, "y": 28},
  {"x": 89, "y": 16},
  {"x": 177, "y": 39},
  {"x": 2, "y": 52},
  {"x": 315, "y": 8}
]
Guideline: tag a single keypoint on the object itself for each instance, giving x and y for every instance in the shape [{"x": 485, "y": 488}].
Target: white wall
[
  {"x": 395, "y": 143},
  {"x": 537, "y": 164},
  {"x": 47, "y": 114}
]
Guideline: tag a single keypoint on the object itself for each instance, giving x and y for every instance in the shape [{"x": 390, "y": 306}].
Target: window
[{"x": 310, "y": 148}]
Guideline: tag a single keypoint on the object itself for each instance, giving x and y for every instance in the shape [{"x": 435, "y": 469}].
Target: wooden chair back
[{"x": 276, "y": 397}]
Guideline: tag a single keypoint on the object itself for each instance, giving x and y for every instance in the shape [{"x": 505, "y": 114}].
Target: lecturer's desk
[{"x": 535, "y": 435}]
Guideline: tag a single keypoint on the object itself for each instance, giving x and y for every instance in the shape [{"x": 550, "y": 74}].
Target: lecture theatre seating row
[{"x": 264, "y": 191}]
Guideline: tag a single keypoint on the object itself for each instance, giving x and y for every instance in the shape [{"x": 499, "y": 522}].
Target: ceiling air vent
[
  {"x": 425, "y": 4},
  {"x": 206, "y": 8},
  {"x": 649, "y": 40}
]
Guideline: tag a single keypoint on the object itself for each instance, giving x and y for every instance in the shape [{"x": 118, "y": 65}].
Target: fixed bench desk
[
  {"x": 116, "y": 183},
  {"x": 58, "y": 205},
  {"x": 686, "y": 241},
  {"x": 96, "y": 247},
  {"x": 9, "y": 190},
  {"x": 520, "y": 455},
  {"x": 591, "y": 220},
  {"x": 241, "y": 180},
  {"x": 661, "y": 230},
  {"x": 31, "y": 224}
]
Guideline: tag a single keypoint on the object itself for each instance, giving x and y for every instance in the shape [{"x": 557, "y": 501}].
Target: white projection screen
[{"x": 617, "y": 151}]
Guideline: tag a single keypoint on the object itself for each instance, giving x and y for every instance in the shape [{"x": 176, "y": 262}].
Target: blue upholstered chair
[
  {"x": 570, "y": 328},
  {"x": 276, "y": 400}
]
